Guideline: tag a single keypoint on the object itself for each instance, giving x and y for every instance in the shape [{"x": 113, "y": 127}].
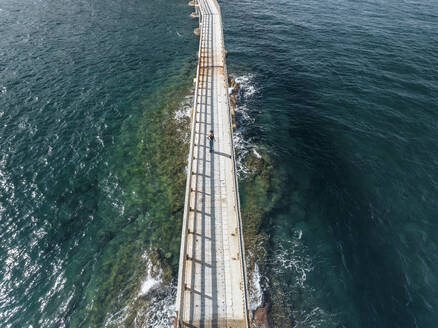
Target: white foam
[
  {"x": 242, "y": 147},
  {"x": 184, "y": 108},
  {"x": 182, "y": 112},
  {"x": 100, "y": 141},
  {"x": 291, "y": 256},
  {"x": 256, "y": 153},
  {"x": 153, "y": 277},
  {"x": 116, "y": 319},
  {"x": 247, "y": 85},
  {"x": 161, "y": 311},
  {"x": 256, "y": 298},
  {"x": 247, "y": 89},
  {"x": 157, "y": 306},
  {"x": 244, "y": 118},
  {"x": 148, "y": 284}
]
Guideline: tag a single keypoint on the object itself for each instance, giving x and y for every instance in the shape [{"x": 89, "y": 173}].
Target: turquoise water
[
  {"x": 342, "y": 95},
  {"x": 72, "y": 74}
]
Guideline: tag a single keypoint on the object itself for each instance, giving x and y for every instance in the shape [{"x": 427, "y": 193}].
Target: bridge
[{"x": 211, "y": 279}]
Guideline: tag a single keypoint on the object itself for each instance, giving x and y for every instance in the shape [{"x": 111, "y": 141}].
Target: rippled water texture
[
  {"x": 347, "y": 103},
  {"x": 71, "y": 72},
  {"x": 341, "y": 93}
]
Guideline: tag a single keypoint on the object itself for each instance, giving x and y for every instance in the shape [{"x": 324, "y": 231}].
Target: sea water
[{"x": 341, "y": 95}]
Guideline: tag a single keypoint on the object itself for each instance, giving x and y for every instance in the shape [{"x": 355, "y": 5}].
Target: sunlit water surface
[{"x": 341, "y": 93}]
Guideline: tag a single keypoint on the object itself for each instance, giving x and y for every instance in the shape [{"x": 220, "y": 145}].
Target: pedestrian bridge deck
[{"x": 211, "y": 279}]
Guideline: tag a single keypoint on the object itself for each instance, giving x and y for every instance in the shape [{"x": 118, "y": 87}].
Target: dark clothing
[{"x": 211, "y": 138}]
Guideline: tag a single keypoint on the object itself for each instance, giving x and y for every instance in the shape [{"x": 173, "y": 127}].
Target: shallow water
[
  {"x": 71, "y": 75},
  {"x": 341, "y": 94}
]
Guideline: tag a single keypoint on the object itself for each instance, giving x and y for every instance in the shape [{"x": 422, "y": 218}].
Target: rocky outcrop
[{"x": 261, "y": 315}]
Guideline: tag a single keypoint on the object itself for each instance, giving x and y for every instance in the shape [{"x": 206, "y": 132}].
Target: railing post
[
  {"x": 179, "y": 320},
  {"x": 183, "y": 248},
  {"x": 236, "y": 185}
]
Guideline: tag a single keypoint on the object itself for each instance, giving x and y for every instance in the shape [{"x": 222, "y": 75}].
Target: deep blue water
[
  {"x": 343, "y": 96},
  {"x": 347, "y": 103}
]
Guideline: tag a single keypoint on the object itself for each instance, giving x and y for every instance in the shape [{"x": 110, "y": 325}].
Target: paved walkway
[{"x": 212, "y": 289}]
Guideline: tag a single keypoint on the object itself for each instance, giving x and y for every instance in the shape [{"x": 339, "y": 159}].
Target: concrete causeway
[{"x": 212, "y": 278}]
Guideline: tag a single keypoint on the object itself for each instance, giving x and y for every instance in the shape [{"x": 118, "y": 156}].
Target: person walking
[{"x": 212, "y": 140}]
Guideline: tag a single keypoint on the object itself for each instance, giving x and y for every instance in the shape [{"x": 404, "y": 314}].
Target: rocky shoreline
[{"x": 160, "y": 166}]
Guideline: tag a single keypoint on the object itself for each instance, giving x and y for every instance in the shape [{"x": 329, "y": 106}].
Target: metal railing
[
  {"x": 236, "y": 183},
  {"x": 183, "y": 249}
]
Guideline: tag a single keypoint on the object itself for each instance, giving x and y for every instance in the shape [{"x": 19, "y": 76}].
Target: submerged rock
[{"x": 262, "y": 315}]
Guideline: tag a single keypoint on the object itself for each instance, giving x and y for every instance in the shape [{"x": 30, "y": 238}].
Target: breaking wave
[
  {"x": 291, "y": 257},
  {"x": 154, "y": 305},
  {"x": 244, "y": 118}
]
